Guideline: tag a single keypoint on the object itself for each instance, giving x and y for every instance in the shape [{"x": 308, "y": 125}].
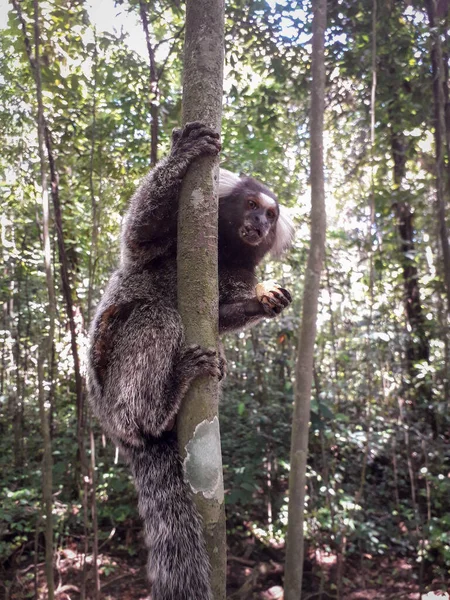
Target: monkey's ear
[
  {"x": 227, "y": 182},
  {"x": 284, "y": 233}
]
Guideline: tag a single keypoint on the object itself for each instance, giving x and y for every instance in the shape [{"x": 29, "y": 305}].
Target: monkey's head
[{"x": 250, "y": 219}]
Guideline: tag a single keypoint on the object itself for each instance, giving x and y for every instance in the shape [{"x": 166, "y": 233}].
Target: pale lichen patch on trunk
[
  {"x": 197, "y": 197},
  {"x": 203, "y": 455}
]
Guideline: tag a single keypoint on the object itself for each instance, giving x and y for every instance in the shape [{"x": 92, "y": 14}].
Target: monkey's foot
[
  {"x": 273, "y": 297},
  {"x": 197, "y": 361},
  {"x": 223, "y": 366},
  {"x": 195, "y": 139}
]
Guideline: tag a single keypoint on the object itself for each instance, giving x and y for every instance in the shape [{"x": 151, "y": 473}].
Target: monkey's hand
[
  {"x": 194, "y": 140},
  {"x": 197, "y": 361},
  {"x": 222, "y": 362},
  {"x": 272, "y": 297}
]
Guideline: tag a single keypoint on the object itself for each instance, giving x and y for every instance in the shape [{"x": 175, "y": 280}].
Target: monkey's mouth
[{"x": 250, "y": 235}]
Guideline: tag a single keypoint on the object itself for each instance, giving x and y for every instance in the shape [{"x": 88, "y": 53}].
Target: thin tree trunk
[
  {"x": 305, "y": 354},
  {"x": 47, "y": 479},
  {"x": 45, "y": 350},
  {"x": 154, "y": 91},
  {"x": 91, "y": 274},
  {"x": 94, "y": 200},
  {"x": 93, "y": 482},
  {"x": 417, "y": 346},
  {"x": 437, "y": 67},
  {"x": 20, "y": 384},
  {"x": 67, "y": 288},
  {"x": 198, "y": 424}
]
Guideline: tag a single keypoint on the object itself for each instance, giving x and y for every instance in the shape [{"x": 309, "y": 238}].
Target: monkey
[{"x": 139, "y": 367}]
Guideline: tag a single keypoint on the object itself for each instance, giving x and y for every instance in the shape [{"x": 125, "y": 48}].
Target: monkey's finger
[
  {"x": 275, "y": 299},
  {"x": 210, "y": 143},
  {"x": 223, "y": 368},
  {"x": 268, "y": 300},
  {"x": 281, "y": 300},
  {"x": 201, "y": 144},
  {"x": 273, "y": 311},
  {"x": 204, "y": 147},
  {"x": 196, "y": 134},
  {"x": 211, "y": 366},
  {"x": 277, "y": 295},
  {"x": 197, "y": 352},
  {"x": 206, "y": 131},
  {"x": 200, "y": 130},
  {"x": 215, "y": 372},
  {"x": 286, "y": 293},
  {"x": 176, "y": 133},
  {"x": 191, "y": 126}
]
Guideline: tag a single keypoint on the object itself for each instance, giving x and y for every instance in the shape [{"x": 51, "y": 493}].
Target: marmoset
[{"x": 139, "y": 366}]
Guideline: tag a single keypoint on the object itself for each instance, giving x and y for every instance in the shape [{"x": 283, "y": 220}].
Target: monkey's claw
[
  {"x": 197, "y": 361},
  {"x": 272, "y": 297}
]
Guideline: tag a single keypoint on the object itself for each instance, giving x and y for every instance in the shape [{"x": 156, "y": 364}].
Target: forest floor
[{"x": 123, "y": 577}]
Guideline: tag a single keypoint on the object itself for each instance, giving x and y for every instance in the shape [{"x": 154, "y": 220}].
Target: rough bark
[
  {"x": 305, "y": 354},
  {"x": 198, "y": 424}
]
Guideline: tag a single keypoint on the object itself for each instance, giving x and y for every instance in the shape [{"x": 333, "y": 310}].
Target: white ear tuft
[
  {"x": 227, "y": 182},
  {"x": 284, "y": 233}
]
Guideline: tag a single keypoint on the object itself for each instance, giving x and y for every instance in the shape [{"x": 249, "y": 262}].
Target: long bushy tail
[{"x": 178, "y": 565}]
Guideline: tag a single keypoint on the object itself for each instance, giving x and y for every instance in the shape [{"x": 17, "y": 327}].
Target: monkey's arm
[
  {"x": 269, "y": 301},
  {"x": 154, "y": 206},
  {"x": 239, "y": 315}
]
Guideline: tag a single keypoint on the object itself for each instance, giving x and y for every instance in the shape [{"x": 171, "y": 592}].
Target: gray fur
[{"x": 140, "y": 368}]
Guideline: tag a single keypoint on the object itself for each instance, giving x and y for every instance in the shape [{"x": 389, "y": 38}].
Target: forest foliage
[{"x": 379, "y": 454}]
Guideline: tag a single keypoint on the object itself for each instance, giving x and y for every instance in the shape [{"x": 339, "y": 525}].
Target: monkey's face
[
  {"x": 260, "y": 214},
  {"x": 251, "y": 223},
  {"x": 247, "y": 221}
]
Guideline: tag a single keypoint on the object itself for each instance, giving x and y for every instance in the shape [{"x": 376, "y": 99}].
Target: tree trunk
[
  {"x": 437, "y": 67},
  {"x": 95, "y": 206},
  {"x": 304, "y": 365},
  {"x": 154, "y": 91},
  {"x": 93, "y": 485},
  {"x": 46, "y": 347},
  {"x": 418, "y": 347},
  {"x": 47, "y": 479},
  {"x": 20, "y": 381},
  {"x": 198, "y": 424}
]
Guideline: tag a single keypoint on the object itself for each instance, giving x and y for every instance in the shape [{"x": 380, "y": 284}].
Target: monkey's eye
[
  {"x": 252, "y": 204},
  {"x": 271, "y": 214}
]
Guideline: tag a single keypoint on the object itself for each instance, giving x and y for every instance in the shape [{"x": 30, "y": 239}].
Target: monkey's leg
[
  {"x": 191, "y": 362},
  {"x": 148, "y": 372}
]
